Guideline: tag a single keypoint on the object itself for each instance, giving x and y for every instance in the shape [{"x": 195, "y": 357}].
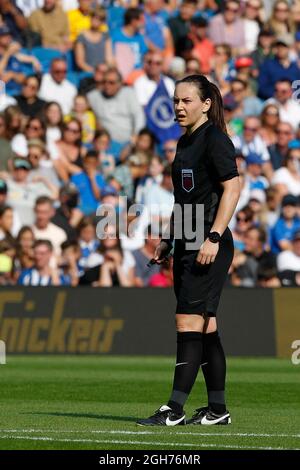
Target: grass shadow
[{"x": 84, "y": 415}]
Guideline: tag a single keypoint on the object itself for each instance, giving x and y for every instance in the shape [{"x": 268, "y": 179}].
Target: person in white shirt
[
  {"x": 145, "y": 86},
  {"x": 287, "y": 179},
  {"x": 289, "y": 260},
  {"x": 289, "y": 107},
  {"x": 55, "y": 86},
  {"x": 251, "y": 142},
  {"x": 43, "y": 228}
]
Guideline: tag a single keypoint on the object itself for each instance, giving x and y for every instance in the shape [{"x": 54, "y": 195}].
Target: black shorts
[{"x": 198, "y": 287}]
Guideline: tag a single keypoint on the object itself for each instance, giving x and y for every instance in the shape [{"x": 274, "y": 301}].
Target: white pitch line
[
  {"x": 96, "y": 431},
  {"x": 147, "y": 443}
]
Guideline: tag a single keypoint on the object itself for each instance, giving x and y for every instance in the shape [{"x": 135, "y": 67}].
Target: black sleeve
[{"x": 221, "y": 156}]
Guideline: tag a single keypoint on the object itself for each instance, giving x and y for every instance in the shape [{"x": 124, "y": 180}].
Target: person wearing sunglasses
[
  {"x": 147, "y": 83},
  {"x": 56, "y": 87}
]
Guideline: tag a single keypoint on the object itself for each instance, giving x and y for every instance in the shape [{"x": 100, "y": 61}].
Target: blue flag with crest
[{"x": 160, "y": 115}]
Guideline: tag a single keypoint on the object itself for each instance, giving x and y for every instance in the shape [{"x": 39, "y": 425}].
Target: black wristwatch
[{"x": 214, "y": 237}]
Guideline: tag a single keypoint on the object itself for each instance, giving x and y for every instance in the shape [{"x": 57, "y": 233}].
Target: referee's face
[{"x": 189, "y": 109}]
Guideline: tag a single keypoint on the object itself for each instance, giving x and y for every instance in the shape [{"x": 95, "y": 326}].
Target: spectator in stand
[
  {"x": 93, "y": 47},
  {"x": 246, "y": 104},
  {"x": 69, "y": 267},
  {"x": 255, "y": 254},
  {"x": 254, "y": 176},
  {"x": 221, "y": 63},
  {"x": 53, "y": 117},
  {"x": 24, "y": 253},
  {"x": 229, "y": 25},
  {"x": 106, "y": 161},
  {"x": 88, "y": 243},
  {"x": 117, "y": 108},
  {"x": 159, "y": 200},
  {"x": 6, "y": 153},
  {"x": 157, "y": 34},
  {"x": 55, "y": 86},
  {"x": 34, "y": 129},
  {"x": 154, "y": 177},
  {"x": 129, "y": 44},
  {"x": 169, "y": 150},
  {"x": 89, "y": 183},
  {"x": 44, "y": 229},
  {"x": 252, "y": 22},
  {"x": 279, "y": 150},
  {"x": 144, "y": 143},
  {"x": 41, "y": 165},
  {"x": 180, "y": 25},
  {"x": 269, "y": 122},
  {"x": 192, "y": 67},
  {"x": 244, "y": 221},
  {"x": 287, "y": 178},
  {"x": 6, "y": 223},
  {"x": 14, "y": 18},
  {"x": 127, "y": 176},
  {"x": 263, "y": 50},
  {"x": 165, "y": 276},
  {"x": 67, "y": 215},
  {"x": 23, "y": 193},
  {"x": 51, "y": 23},
  {"x": 11, "y": 70},
  {"x": 273, "y": 200},
  {"x": 275, "y": 69},
  {"x": 142, "y": 257},
  {"x": 289, "y": 222},
  {"x": 67, "y": 153},
  {"x": 251, "y": 142},
  {"x": 289, "y": 108},
  {"x": 28, "y": 101},
  {"x": 146, "y": 85},
  {"x": 116, "y": 267},
  {"x": 204, "y": 48},
  {"x": 280, "y": 21},
  {"x": 96, "y": 82},
  {"x": 3, "y": 202},
  {"x": 80, "y": 19},
  {"x": 81, "y": 111},
  {"x": 289, "y": 260},
  {"x": 267, "y": 275},
  {"x": 41, "y": 274}
]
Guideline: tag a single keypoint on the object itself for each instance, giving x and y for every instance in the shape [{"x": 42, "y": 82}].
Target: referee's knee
[{"x": 188, "y": 322}]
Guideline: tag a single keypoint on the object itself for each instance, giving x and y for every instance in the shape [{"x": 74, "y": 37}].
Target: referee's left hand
[{"x": 208, "y": 252}]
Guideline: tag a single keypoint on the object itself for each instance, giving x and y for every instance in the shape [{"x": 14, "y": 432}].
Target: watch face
[{"x": 214, "y": 237}]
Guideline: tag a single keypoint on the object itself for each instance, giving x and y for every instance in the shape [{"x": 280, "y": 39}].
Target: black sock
[
  {"x": 214, "y": 371},
  {"x": 189, "y": 354}
]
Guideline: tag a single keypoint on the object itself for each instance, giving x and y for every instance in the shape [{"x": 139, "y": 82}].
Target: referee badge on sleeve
[{"x": 187, "y": 180}]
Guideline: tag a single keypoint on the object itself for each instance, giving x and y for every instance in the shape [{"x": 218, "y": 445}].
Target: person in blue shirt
[
  {"x": 273, "y": 70},
  {"x": 288, "y": 223},
  {"x": 128, "y": 43},
  {"x": 89, "y": 183},
  {"x": 42, "y": 274}
]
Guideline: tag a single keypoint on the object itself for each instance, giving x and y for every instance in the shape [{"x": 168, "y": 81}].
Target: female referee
[{"x": 203, "y": 172}]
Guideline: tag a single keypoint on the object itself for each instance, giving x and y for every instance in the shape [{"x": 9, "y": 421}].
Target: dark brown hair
[{"x": 207, "y": 89}]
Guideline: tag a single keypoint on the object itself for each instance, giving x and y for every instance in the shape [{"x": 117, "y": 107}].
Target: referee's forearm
[{"x": 227, "y": 205}]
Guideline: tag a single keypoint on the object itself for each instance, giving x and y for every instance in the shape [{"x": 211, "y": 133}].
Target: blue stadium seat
[{"x": 45, "y": 56}]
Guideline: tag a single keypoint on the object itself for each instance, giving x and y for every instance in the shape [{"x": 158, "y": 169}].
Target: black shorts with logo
[{"x": 198, "y": 287}]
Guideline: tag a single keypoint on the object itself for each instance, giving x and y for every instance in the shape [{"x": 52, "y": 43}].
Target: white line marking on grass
[
  {"x": 146, "y": 443},
  {"x": 182, "y": 433}
]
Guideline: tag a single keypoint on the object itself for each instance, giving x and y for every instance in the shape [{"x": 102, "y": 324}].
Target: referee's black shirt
[{"x": 203, "y": 160}]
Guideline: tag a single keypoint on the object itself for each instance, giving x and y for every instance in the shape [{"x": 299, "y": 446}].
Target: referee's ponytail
[{"x": 209, "y": 90}]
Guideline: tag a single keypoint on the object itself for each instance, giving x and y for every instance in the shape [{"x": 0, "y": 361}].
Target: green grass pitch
[{"x": 81, "y": 402}]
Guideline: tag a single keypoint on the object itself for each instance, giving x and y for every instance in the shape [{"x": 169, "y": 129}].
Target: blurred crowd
[{"x": 77, "y": 86}]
